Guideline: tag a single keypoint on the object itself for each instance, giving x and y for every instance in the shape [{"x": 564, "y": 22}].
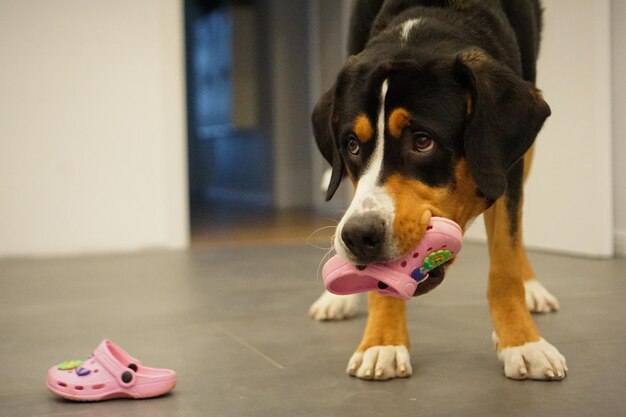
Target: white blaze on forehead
[
  {"x": 368, "y": 188},
  {"x": 370, "y": 196},
  {"x": 406, "y": 27},
  {"x": 376, "y": 161}
]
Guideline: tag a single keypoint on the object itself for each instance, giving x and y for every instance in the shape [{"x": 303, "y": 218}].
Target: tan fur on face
[
  {"x": 416, "y": 202},
  {"x": 363, "y": 129},
  {"x": 398, "y": 120}
]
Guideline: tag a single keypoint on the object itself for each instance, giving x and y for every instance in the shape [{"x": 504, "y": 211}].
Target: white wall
[
  {"x": 618, "y": 45},
  {"x": 289, "y": 69},
  {"x": 92, "y": 138}
]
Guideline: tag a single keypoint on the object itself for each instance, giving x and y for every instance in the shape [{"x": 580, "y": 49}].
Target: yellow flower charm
[
  {"x": 437, "y": 258},
  {"x": 69, "y": 365}
]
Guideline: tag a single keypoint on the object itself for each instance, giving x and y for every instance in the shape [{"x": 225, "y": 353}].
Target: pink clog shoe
[
  {"x": 405, "y": 277},
  {"x": 108, "y": 373}
]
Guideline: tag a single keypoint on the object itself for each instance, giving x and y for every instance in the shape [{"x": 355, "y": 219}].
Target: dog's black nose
[{"x": 364, "y": 236}]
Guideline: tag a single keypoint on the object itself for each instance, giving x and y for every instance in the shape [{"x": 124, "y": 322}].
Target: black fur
[
  {"x": 326, "y": 143},
  {"x": 508, "y": 113},
  {"x": 484, "y": 48}
]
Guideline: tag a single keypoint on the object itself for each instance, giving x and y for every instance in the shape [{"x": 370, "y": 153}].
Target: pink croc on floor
[
  {"x": 108, "y": 373},
  {"x": 403, "y": 278}
]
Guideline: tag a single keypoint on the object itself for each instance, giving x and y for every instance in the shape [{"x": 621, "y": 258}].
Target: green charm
[
  {"x": 437, "y": 258},
  {"x": 69, "y": 365}
]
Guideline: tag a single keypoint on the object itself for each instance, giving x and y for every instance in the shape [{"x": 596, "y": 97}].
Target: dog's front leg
[
  {"x": 524, "y": 353},
  {"x": 384, "y": 350}
]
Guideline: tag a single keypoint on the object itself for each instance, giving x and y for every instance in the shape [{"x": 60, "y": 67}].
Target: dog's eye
[
  {"x": 353, "y": 145},
  {"x": 422, "y": 142}
]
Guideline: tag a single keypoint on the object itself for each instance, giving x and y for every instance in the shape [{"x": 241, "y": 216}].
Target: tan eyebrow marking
[
  {"x": 362, "y": 127},
  {"x": 398, "y": 120}
]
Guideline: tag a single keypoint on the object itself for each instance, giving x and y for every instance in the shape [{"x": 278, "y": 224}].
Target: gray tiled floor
[{"x": 233, "y": 323}]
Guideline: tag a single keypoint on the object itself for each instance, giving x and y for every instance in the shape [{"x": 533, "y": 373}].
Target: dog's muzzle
[{"x": 364, "y": 236}]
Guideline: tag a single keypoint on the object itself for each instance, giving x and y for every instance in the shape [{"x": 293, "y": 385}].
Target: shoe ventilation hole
[
  {"x": 416, "y": 254},
  {"x": 79, "y": 387},
  {"x": 95, "y": 371},
  {"x": 429, "y": 249},
  {"x": 62, "y": 384},
  {"x": 429, "y": 227},
  {"x": 444, "y": 246},
  {"x": 403, "y": 264},
  {"x": 99, "y": 386}
]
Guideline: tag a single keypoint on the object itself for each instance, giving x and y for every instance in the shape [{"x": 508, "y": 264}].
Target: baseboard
[{"x": 620, "y": 243}]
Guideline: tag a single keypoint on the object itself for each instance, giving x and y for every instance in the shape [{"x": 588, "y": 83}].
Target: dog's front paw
[
  {"x": 534, "y": 360},
  {"x": 538, "y": 299},
  {"x": 334, "y": 307},
  {"x": 381, "y": 363}
]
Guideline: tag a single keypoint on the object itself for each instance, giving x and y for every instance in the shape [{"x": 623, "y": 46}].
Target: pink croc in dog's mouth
[{"x": 417, "y": 273}]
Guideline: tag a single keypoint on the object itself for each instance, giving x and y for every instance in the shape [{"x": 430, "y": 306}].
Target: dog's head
[{"x": 421, "y": 138}]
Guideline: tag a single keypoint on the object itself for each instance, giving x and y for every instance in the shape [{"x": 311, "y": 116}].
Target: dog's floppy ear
[
  {"x": 505, "y": 114},
  {"x": 323, "y": 132}
]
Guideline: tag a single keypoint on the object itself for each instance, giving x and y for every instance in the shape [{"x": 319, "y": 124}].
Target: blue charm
[
  {"x": 82, "y": 371},
  {"x": 418, "y": 275}
]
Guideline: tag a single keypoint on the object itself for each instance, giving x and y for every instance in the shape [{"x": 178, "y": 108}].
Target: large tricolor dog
[{"x": 434, "y": 114}]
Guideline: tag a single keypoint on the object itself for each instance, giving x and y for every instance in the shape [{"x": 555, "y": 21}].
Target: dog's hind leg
[
  {"x": 538, "y": 298},
  {"x": 334, "y": 307},
  {"x": 526, "y": 20},
  {"x": 518, "y": 343}
]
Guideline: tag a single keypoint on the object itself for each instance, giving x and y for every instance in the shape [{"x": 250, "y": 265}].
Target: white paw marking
[
  {"x": 381, "y": 363},
  {"x": 538, "y": 299},
  {"x": 533, "y": 360},
  {"x": 330, "y": 306}
]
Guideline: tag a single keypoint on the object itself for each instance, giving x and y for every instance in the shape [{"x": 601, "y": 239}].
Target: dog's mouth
[{"x": 435, "y": 277}]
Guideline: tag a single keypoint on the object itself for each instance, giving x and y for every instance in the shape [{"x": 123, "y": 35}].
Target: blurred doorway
[
  {"x": 248, "y": 104},
  {"x": 229, "y": 156}
]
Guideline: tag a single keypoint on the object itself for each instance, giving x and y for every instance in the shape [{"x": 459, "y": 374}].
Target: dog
[{"x": 435, "y": 113}]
